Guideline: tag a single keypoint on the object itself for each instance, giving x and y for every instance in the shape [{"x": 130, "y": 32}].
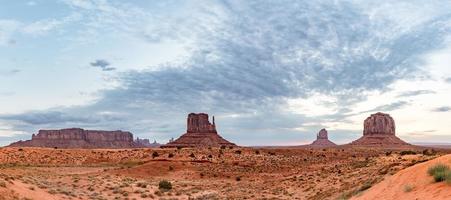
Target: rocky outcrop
[
  {"x": 322, "y": 139},
  {"x": 200, "y": 133},
  {"x": 379, "y": 123},
  {"x": 379, "y": 129},
  {"x": 146, "y": 143},
  {"x": 79, "y": 138}
]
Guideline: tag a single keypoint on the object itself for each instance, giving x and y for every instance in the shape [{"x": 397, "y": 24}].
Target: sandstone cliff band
[{"x": 379, "y": 130}]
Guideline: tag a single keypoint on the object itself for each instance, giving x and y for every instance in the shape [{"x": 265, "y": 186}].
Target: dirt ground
[
  {"x": 208, "y": 173},
  {"x": 411, "y": 183}
]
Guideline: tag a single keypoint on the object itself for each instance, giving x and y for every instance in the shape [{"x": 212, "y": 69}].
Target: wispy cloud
[
  {"x": 415, "y": 93},
  {"x": 9, "y": 72},
  {"x": 248, "y": 57},
  {"x": 442, "y": 109},
  {"x": 7, "y": 30},
  {"x": 448, "y": 80},
  {"x": 102, "y": 64}
]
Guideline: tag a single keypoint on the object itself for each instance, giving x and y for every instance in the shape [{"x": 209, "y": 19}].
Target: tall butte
[
  {"x": 322, "y": 139},
  {"x": 379, "y": 130},
  {"x": 200, "y": 133}
]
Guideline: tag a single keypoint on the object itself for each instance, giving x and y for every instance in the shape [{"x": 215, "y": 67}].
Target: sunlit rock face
[
  {"x": 79, "y": 138},
  {"x": 322, "y": 139},
  {"x": 200, "y": 133},
  {"x": 379, "y": 129}
]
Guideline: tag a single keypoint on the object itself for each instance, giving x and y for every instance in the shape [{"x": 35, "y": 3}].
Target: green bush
[
  {"x": 440, "y": 176},
  {"x": 448, "y": 177},
  {"x": 437, "y": 169},
  {"x": 440, "y": 172},
  {"x": 165, "y": 185}
]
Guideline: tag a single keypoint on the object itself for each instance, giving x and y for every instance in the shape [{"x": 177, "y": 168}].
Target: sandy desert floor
[
  {"x": 411, "y": 183},
  {"x": 209, "y": 173}
]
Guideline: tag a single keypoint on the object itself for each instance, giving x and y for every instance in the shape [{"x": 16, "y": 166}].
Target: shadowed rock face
[
  {"x": 200, "y": 133},
  {"x": 79, "y": 138},
  {"x": 199, "y": 123},
  {"x": 379, "y": 123},
  {"x": 379, "y": 129},
  {"x": 322, "y": 139}
]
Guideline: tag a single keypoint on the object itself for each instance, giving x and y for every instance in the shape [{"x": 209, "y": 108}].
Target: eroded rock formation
[
  {"x": 146, "y": 143},
  {"x": 200, "y": 133},
  {"x": 79, "y": 138},
  {"x": 379, "y": 129},
  {"x": 322, "y": 139}
]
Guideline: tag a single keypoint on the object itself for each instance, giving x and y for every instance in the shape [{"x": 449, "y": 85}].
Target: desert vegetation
[
  {"x": 199, "y": 173},
  {"x": 440, "y": 172}
]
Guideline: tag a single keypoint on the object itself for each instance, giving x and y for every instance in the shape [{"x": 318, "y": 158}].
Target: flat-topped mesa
[
  {"x": 79, "y": 138},
  {"x": 200, "y": 133},
  {"x": 322, "y": 139},
  {"x": 81, "y": 134},
  {"x": 379, "y": 130}
]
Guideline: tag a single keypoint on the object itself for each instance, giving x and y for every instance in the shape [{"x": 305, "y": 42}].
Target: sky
[{"x": 271, "y": 72}]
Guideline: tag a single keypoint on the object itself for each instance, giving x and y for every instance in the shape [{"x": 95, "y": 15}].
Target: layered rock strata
[
  {"x": 379, "y": 129},
  {"x": 200, "y": 133},
  {"x": 79, "y": 138}
]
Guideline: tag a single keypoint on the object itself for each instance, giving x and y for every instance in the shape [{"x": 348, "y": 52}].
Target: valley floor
[{"x": 209, "y": 173}]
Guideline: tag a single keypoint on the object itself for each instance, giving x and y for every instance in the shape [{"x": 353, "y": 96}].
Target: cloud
[
  {"x": 448, "y": 80},
  {"x": 415, "y": 93},
  {"x": 442, "y": 109},
  {"x": 7, "y": 30},
  {"x": 42, "y": 27},
  {"x": 48, "y": 117},
  {"x": 102, "y": 64},
  {"x": 389, "y": 107},
  {"x": 9, "y": 72},
  {"x": 247, "y": 58}
]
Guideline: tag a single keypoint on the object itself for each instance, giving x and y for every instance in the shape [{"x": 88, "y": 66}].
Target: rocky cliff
[
  {"x": 200, "y": 133},
  {"x": 322, "y": 139},
  {"x": 379, "y": 130},
  {"x": 79, "y": 138}
]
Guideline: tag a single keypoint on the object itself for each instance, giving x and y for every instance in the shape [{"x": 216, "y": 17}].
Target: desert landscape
[
  {"x": 225, "y": 100},
  {"x": 203, "y": 165}
]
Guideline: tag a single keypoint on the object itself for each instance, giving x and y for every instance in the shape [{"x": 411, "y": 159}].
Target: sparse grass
[
  {"x": 440, "y": 172},
  {"x": 2, "y": 184},
  {"x": 437, "y": 168},
  {"x": 141, "y": 184},
  {"x": 408, "y": 188},
  {"x": 165, "y": 185},
  {"x": 429, "y": 152},
  {"x": 408, "y": 152},
  {"x": 365, "y": 186}
]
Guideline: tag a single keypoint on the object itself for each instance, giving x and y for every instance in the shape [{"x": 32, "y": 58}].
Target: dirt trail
[{"x": 416, "y": 178}]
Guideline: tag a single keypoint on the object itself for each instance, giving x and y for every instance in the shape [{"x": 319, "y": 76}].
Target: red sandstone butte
[
  {"x": 379, "y": 130},
  {"x": 200, "y": 133},
  {"x": 79, "y": 138},
  {"x": 322, "y": 139}
]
